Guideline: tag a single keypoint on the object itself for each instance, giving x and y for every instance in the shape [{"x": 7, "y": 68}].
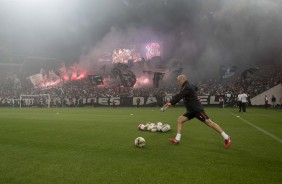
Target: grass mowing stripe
[{"x": 258, "y": 128}]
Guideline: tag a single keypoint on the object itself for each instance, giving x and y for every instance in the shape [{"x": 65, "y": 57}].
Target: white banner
[{"x": 36, "y": 79}]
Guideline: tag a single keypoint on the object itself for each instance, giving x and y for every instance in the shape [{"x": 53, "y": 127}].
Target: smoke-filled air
[{"x": 122, "y": 37}]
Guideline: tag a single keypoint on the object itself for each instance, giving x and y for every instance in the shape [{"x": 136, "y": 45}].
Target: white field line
[{"x": 258, "y": 128}]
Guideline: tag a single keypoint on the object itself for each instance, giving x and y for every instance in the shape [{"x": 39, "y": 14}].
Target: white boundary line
[{"x": 258, "y": 128}]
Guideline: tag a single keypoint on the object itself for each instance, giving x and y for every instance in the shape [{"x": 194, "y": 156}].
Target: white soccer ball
[
  {"x": 141, "y": 127},
  {"x": 139, "y": 142},
  {"x": 159, "y": 124},
  {"x": 149, "y": 128},
  {"x": 154, "y": 129},
  {"x": 159, "y": 128},
  {"x": 169, "y": 127},
  {"x": 153, "y": 124},
  {"x": 165, "y": 129}
]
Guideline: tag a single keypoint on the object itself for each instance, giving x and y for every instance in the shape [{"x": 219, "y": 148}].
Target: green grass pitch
[{"x": 96, "y": 145}]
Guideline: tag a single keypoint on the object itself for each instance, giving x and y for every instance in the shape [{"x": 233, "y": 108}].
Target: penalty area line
[{"x": 258, "y": 128}]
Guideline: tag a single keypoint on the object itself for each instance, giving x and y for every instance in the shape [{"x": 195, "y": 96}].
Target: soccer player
[
  {"x": 266, "y": 102},
  {"x": 239, "y": 98},
  {"x": 194, "y": 109},
  {"x": 244, "y": 100}
]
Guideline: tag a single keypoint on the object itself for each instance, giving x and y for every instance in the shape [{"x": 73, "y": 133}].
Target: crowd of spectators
[{"x": 254, "y": 84}]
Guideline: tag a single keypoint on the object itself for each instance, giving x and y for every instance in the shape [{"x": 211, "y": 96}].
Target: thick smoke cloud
[{"x": 197, "y": 36}]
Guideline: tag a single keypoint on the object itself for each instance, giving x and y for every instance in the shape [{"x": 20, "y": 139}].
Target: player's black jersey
[{"x": 190, "y": 98}]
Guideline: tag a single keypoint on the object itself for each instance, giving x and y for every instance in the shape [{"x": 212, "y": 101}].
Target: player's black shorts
[{"x": 199, "y": 115}]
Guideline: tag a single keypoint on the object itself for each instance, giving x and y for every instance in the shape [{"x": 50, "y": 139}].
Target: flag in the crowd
[
  {"x": 158, "y": 76},
  {"x": 153, "y": 49},
  {"x": 53, "y": 76},
  {"x": 128, "y": 78},
  {"x": 42, "y": 71},
  {"x": 227, "y": 71},
  {"x": 249, "y": 72},
  {"x": 36, "y": 79},
  {"x": 44, "y": 75},
  {"x": 95, "y": 79}
]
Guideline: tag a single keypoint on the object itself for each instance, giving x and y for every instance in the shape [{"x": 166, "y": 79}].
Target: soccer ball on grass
[
  {"x": 141, "y": 127},
  {"x": 139, "y": 142}
]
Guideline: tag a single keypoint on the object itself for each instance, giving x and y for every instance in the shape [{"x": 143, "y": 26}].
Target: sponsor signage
[{"x": 148, "y": 101}]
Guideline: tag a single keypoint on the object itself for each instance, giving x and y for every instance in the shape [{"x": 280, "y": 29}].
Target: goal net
[{"x": 41, "y": 100}]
